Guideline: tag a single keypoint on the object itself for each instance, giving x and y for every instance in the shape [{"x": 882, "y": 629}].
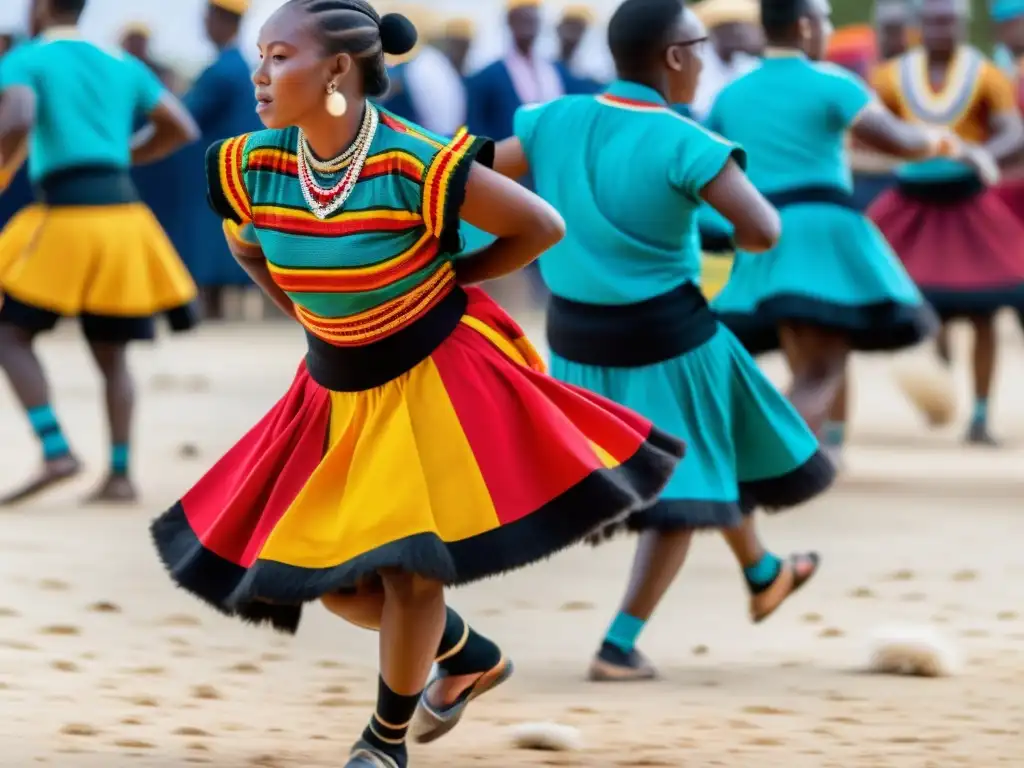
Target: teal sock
[
  {"x": 624, "y": 631},
  {"x": 761, "y": 575},
  {"x": 119, "y": 459},
  {"x": 47, "y": 428},
  {"x": 980, "y": 414},
  {"x": 833, "y": 434}
]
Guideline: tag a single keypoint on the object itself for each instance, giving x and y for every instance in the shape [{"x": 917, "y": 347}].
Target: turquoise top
[
  {"x": 791, "y": 115},
  {"x": 626, "y": 172},
  {"x": 87, "y": 99},
  {"x": 384, "y": 255}
]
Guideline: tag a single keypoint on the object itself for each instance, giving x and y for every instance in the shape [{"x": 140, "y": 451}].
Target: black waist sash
[
  {"x": 354, "y": 369},
  {"x": 630, "y": 335},
  {"x": 823, "y": 194},
  {"x": 941, "y": 192},
  {"x": 87, "y": 185},
  {"x": 716, "y": 242}
]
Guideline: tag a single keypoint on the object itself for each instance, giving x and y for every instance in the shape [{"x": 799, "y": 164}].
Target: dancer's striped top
[{"x": 379, "y": 263}]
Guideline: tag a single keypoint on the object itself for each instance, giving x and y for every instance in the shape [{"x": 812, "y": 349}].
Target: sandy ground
[{"x": 103, "y": 663}]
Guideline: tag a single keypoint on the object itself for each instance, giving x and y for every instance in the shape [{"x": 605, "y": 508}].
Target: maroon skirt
[
  {"x": 964, "y": 250},
  {"x": 1012, "y": 194}
]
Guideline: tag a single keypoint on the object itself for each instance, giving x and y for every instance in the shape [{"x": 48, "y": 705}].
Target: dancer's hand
[
  {"x": 945, "y": 143},
  {"x": 948, "y": 144},
  {"x": 982, "y": 162}
]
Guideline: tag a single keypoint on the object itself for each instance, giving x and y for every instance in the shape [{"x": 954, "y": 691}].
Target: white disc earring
[{"x": 337, "y": 104}]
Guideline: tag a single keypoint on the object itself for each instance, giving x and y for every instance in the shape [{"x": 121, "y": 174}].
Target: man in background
[
  {"x": 455, "y": 41},
  {"x": 426, "y": 88},
  {"x": 520, "y": 77},
  {"x": 135, "y": 39},
  {"x": 1008, "y": 21},
  {"x": 223, "y": 103},
  {"x": 737, "y": 42},
  {"x": 576, "y": 21},
  {"x": 895, "y": 26}
]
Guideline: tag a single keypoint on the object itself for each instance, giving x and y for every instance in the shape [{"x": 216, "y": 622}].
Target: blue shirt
[
  {"x": 626, "y": 172},
  {"x": 791, "y": 115},
  {"x": 87, "y": 99}
]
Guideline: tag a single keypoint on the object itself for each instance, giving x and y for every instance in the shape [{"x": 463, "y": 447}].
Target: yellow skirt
[
  {"x": 715, "y": 271},
  {"x": 111, "y": 261}
]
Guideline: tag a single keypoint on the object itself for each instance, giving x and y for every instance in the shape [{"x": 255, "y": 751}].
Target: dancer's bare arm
[
  {"x": 755, "y": 221},
  {"x": 882, "y": 131},
  {"x": 510, "y": 159},
  {"x": 250, "y": 257},
  {"x": 524, "y": 224},
  {"x": 170, "y": 128}
]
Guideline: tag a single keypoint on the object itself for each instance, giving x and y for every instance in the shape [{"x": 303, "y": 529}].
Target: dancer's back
[
  {"x": 87, "y": 99},
  {"x": 625, "y": 172},
  {"x": 791, "y": 115}
]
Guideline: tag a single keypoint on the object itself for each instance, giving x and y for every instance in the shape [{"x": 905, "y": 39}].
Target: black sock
[
  {"x": 462, "y": 651},
  {"x": 389, "y": 724}
]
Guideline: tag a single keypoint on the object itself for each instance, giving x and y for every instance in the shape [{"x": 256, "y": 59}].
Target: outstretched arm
[{"x": 882, "y": 131}]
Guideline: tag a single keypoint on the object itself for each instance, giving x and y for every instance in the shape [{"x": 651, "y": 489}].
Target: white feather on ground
[
  {"x": 550, "y": 737},
  {"x": 913, "y": 651},
  {"x": 931, "y": 389}
]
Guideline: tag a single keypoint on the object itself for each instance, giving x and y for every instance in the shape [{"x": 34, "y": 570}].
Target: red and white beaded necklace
[{"x": 324, "y": 201}]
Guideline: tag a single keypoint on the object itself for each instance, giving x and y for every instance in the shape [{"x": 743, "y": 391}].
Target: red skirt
[
  {"x": 967, "y": 257},
  {"x": 472, "y": 463}
]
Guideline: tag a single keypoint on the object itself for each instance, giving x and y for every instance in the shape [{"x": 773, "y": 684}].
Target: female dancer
[
  {"x": 628, "y": 321},
  {"x": 419, "y": 445},
  {"x": 957, "y": 239},
  {"x": 832, "y": 284},
  {"x": 89, "y": 249}
]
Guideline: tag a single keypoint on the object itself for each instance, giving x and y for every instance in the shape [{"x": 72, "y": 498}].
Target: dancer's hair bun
[{"x": 397, "y": 34}]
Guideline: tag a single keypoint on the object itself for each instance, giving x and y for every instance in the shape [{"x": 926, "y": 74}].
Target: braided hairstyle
[{"x": 355, "y": 28}]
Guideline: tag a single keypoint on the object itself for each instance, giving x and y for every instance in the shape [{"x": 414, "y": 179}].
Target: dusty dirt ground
[{"x": 103, "y": 663}]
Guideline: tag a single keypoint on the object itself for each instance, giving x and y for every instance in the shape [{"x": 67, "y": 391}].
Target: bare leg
[
  {"x": 411, "y": 624},
  {"x": 363, "y": 608},
  {"x": 25, "y": 373},
  {"x": 464, "y": 657},
  {"x": 984, "y": 360},
  {"x": 817, "y": 359},
  {"x": 119, "y": 391},
  {"x": 659, "y": 557},
  {"x": 745, "y": 543},
  {"x": 833, "y": 436}
]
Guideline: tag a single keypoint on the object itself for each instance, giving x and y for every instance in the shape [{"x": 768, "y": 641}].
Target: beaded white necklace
[{"x": 324, "y": 201}]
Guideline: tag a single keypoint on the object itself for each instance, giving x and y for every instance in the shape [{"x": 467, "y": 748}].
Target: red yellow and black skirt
[
  {"x": 468, "y": 463},
  {"x": 91, "y": 250},
  {"x": 960, "y": 243}
]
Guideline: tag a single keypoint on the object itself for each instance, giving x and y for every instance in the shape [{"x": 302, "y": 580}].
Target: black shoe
[
  {"x": 612, "y": 664},
  {"x": 978, "y": 434},
  {"x": 364, "y": 755}
]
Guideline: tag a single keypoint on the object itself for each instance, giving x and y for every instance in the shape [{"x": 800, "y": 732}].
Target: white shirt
[
  {"x": 715, "y": 76},
  {"x": 437, "y": 92},
  {"x": 534, "y": 79}
]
